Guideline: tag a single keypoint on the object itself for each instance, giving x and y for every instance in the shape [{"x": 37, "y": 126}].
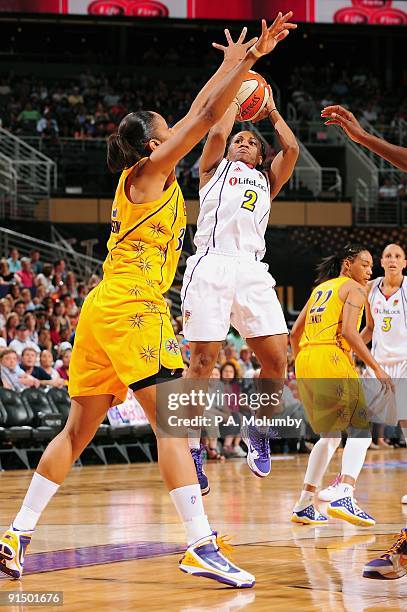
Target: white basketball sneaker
[{"x": 328, "y": 494}]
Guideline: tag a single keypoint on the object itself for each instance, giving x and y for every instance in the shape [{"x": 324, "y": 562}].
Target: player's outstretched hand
[
  {"x": 235, "y": 51},
  {"x": 384, "y": 379},
  {"x": 337, "y": 115},
  {"x": 270, "y": 37}
]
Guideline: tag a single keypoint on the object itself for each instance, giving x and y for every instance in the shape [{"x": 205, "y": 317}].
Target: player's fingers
[
  {"x": 250, "y": 42},
  {"x": 332, "y": 109},
  {"x": 263, "y": 27},
  {"x": 218, "y": 46},
  {"x": 331, "y": 122},
  {"x": 277, "y": 24},
  {"x": 242, "y": 35},
  {"x": 290, "y": 26},
  {"x": 287, "y": 16},
  {"x": 228, "y": 36},
  {"x": 282, "y": 35}
]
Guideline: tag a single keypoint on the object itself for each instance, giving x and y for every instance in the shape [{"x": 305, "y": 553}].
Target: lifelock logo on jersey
[{"x": 246, "y": 181}]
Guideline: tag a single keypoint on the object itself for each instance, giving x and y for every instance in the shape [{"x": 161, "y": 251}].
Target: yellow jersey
[
  {"x": 146, "y": 239},
  {"x": 323, "y": 322}
]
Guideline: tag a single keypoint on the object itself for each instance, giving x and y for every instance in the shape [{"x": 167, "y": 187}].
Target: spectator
[
  {"x": 36, "y": 263},
  {"x": 12, "y": 376},
  {"x": 6, "y": 276},
  {"x": 25, "y": 276},
  {"x": 5, "y": 309},
  {"x": 21, "y": 341},
  {"x": 19, "y": 308},
  {"x": 63, "y": 370},
  {"x": 13, "y": 261},
  {"x": 11, "y": 326},
  {"x": 44, "y": 339},
  {"x": 231, "y": 392},
  {"x": 28, "y": 360},
  {"x": 44, "y": 279},
  {"x": 47, "y": 363},
  {"x": 27, "y": 300},
  {"x": 245, "y": 362},
  {"x": 31, "y": 322}
]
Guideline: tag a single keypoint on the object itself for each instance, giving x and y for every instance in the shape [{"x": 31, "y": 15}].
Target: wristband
[
  {"x": 272, "y": 111},
  {"x": 255, "y": 52}
]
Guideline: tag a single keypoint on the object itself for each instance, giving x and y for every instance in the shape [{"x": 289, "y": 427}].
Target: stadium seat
[
  {"x": 19, "y": 422},
  {"x": 46, "y": 419},
  {"x": 60, "y": 401}
]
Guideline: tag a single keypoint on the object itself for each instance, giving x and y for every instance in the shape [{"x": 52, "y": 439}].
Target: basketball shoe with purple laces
[
  {"x": 258, "y": 450},
  {"x": 391, "y": 565},
  {"x": 202, "y": 477},
  {"x": 206, "y": 558}
]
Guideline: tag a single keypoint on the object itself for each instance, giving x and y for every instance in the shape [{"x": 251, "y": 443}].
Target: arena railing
[{"x": 82, "y": 265}]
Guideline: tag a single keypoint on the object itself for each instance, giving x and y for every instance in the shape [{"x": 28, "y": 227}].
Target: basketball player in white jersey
[
  {"x": 386, "y": 328},
  {"x": 225, "y": 282}
]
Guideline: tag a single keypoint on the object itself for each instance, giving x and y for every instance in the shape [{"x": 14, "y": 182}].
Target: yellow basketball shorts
[
  {"x": 330, "y": 389},
  {"x": 124, "y": 335}
]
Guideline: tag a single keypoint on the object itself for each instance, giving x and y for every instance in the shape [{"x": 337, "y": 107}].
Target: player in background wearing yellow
[
  {"x": 386, "y": 328},
  {"x": 124, "y": 337},
  {"x": 226, "y": 283},
  {"x": 322, "y": 339}
]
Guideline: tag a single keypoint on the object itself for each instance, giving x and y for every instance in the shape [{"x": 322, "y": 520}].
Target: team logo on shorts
[
  {"x": 187, "y": 316},
  {"x": 193, "y": 499},
  {"x": 171, "y": 346}
]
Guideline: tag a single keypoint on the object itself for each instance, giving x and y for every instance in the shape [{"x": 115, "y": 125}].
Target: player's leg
[
  {"x": 271, "y": 352},
  {"x": 203, "y": 556},
  {"x": 202, "y": 361},
  {"x": 344, "y": 505},
  {"x": 85, "y": 416},
  {"x": 304, "y": 510}
]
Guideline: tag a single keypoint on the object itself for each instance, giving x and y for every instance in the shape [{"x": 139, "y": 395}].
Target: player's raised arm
[
  {"x": 337, "y": 115},
  {"x": 284, "y": 162},
  {"x": 212, "y": 107},
  {"x": 215, "y": 144},
  {"x": 354, "y": 302}
]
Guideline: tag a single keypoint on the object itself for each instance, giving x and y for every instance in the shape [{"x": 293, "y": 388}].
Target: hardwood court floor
[{"x": 115, "y": 532}]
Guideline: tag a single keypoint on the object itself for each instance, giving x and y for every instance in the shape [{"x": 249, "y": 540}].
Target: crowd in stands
[{"x": 39, "y": 308}]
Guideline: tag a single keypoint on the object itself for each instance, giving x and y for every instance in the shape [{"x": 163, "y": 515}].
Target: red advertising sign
[{"x": 374, "y": 12}]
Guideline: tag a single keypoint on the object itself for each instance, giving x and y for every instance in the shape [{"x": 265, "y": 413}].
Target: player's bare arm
[
  {"x": 283, "y": 164},
  {"x": 215, "y": 144},
  {"x": 353, "y": 304},
  {"x": 367, "y": 331},
  {"x": 298, "y": 330},
  {"x": 337, "y": 115}
]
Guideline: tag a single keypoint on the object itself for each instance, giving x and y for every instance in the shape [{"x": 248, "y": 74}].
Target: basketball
[{"x": 252, "y": 96}]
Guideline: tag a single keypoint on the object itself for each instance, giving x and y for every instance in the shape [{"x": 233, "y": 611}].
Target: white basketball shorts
[
  {"x": 387, "y": 407},
  {"x": 220, "y": 290}
]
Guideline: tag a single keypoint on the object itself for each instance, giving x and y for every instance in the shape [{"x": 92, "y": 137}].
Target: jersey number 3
[
  {"x": 386, "y": 324},
  {"x": 250, "y": 199}
]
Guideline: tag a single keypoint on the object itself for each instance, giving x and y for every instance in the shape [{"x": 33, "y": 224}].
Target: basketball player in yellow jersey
[
  {"x": 322, "y": 338},
  {"x": 124, "y": 337}
]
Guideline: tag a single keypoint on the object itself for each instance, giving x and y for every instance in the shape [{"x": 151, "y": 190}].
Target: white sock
[
  {"x": 188, "y": 502},
  {"x": 404, "y": 430},
  {"x": 194, "y": 438},
  {"x": 354, "y": 455},
  {"x": 37, "y": 497},
  {"x": 319, "y": 459},
  {"x": 306, "y": 499}
]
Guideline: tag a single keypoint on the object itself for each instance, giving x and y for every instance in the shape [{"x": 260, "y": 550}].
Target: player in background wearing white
[
  {"x": 386, "y": 328},
  {"x": 225, "y": 282}
]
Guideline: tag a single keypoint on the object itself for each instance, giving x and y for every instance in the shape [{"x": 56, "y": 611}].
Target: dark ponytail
[
  {"x": 330, "y": 267},
  {"x": 129, "y": 144}
]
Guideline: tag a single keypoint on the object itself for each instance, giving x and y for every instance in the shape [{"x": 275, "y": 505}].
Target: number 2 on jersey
[
  {"x": 318, "y": 305},
  {"x": 250, "y": 199},
  {"x": 386, "y": 324}
]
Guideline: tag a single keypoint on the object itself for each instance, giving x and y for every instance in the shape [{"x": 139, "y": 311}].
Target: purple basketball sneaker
[{"x": 258, "y": 450}]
